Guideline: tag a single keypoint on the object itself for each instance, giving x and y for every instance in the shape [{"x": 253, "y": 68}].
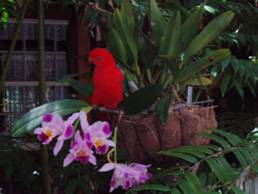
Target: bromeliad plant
[{"x": 168, "y": 51}]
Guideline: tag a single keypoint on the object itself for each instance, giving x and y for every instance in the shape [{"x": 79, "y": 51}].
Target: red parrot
[{"x": 107, "y": 79}]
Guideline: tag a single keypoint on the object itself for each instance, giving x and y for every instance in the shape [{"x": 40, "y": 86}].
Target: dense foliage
[{"x": 162, "y": 47}]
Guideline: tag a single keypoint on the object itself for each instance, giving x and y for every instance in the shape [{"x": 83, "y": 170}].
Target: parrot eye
[{"x": 98, "y": 58}]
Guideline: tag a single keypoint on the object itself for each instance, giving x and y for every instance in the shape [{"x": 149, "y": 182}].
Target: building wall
[{"x": 18, "y": 93}]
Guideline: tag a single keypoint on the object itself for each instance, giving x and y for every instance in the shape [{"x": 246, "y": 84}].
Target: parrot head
[{"x": 102, "y": 58}]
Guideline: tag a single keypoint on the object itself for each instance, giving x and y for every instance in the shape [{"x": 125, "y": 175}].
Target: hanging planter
[{"x": 143, "y": 135}]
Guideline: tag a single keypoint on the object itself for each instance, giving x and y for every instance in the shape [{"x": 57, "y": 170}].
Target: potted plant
[{"x": 161, "y": 57}]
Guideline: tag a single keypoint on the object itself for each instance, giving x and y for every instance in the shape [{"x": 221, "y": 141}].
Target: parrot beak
[
  {"x": 90, "y": 60},
  {"x": 91, "y": 64}
]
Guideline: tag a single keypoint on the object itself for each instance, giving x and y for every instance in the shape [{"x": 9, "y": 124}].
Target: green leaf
[
  {"x": 222, "y": 169},
  {"x": 232, "y": 138},
  {"x": 71, "y": 186},
  {"x": 217, "y": 170},
  {"x": 187, "y": 187},
  {"x": 194, "y": 183},
  {"x": 238, "y": 87},
  {"x": 128, "y": 15},
  {"x": 151, "y": 187},
  {"x": 200, "y": 81},
  {"x": 33, "y": 118},
  {"x": 190, "y": 71},
  {"x": 191, "y": 26},
  {"x": 175, "y": 191},
  {"x": 157, "y": 20},
  {"x": 183, "y": 156},
  {"x": 192, "y": 151},
  {"x": 210, "y": 32},
  {"x": 162, "y": 108},
  {"x": 142, "y": 99},
  {"x": 237, "y": 190},
  {"x": 170, "y": 40},
  {"x": 82, "y": 88},
  {"x": 117, "y": 46},
  {"x": 244, "y": 156},
  {"x": 126, "y": 34},
  {"x": 217, "y": 139},
  {"x": 225, "y": 83}
]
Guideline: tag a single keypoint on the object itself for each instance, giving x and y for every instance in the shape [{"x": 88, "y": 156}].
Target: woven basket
[{"x": 143, "y": 135}]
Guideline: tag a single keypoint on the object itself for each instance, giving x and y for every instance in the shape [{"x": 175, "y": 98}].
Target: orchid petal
[
  {"x": 58, "y": 146},
  {"x": 92, "y": 159},
  {"x": 97, "y": 126},
  {"x": 69, "y": 131},
  {"x": 68, "y": 160},
  {"x": 84, "y": 122},
  {"x": 110, "y": 143},
  {"x": 56, "y": 124},
  {"x": 72, "y": 118},
  {"x": 38, "y": 130},
  {"x": 77, "y": 136},
  {"x": 106, "y": 129},
  {"x": 107, "y": 167}
]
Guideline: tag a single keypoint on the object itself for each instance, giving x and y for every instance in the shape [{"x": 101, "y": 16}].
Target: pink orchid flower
[
  {"x": 54, "y": 126},
  {"x": 51, "y": 127},
  {"x": 97, "y": 134},
  {"x": 127, "y": 176},
  {"x": 79, "y": 151},
  {"x": 67, "y": 132}
]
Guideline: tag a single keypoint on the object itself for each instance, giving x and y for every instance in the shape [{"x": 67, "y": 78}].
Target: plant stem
[
  {"x": 7, "y": 60},
  {"x": 45, "y": 171},
  {"x": 115, "y": 140},
  {"x": 42, "y": 75},
  {"x": 42, "y": 93},
  {"x": 120, "y": 115}
]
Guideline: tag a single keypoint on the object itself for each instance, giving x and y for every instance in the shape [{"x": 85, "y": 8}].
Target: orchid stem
[
  {"x": 109, "y": 155},
  {"x": 115, "y": 148},
  {"x": 120, "y": 115}
]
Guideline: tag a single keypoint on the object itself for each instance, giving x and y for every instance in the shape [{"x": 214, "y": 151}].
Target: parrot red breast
[{"x": 107, "y": 79}]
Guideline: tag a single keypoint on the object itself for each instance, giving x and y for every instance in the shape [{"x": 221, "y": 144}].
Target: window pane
[
  {"x": 61, "y": 64},
  {"x": 16, "y": 70},
  {"x": 24, "y": 70},
  {"x": 6, "y": 36},
  {"x": 50, "y": 68},
  {"x": 31, "y": 63}
]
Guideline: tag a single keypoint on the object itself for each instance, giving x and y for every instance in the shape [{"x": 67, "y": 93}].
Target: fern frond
[{"x": 218, "y": 158}]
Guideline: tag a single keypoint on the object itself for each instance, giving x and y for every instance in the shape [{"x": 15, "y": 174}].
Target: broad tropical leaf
[
  {"x": 170, "y": 39},
  {"x": 208, "y": 34},
  {"x": 189, "y": 71},
  {"x": 34, "y": 117},
  {"x": 117, "y": 46},
  {"x": 157, "y": 21},
  {"x": 162, "y": 108},
  {"x": 141, "y": 99},
  {"x": 190, "y": 27}
]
